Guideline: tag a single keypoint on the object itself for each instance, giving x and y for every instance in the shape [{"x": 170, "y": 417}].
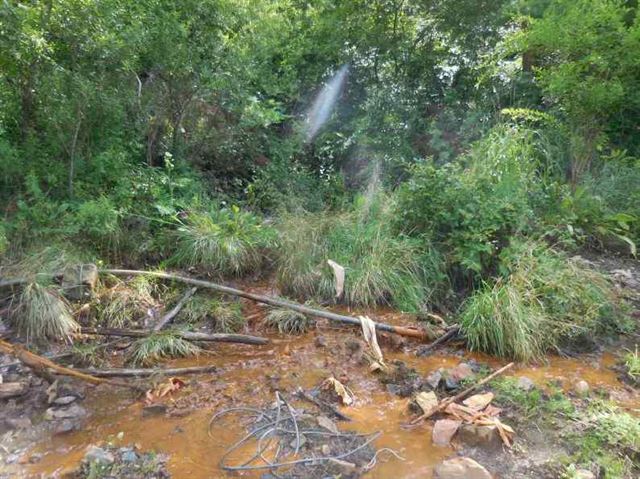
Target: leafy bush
[
  {"x": 471, "y": 208},
  {"x": 381, "y": 266},
  {"x": 225, "y": 242},
  {"x": 581, "y": 217},
  {"x": 544, "y": 301}
]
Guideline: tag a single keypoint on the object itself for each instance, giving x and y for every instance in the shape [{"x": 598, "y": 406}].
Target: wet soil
[{"x": 250, "y": 376}]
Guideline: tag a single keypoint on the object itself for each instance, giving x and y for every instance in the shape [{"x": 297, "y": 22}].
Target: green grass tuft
[
  {"x": 224, "y": 316},
  {"x": 225, "y": 242},
  {"x": 162, "y": 345},
  {"x": 381, "y": 267},
  {"x": 41, "y": 313},
  {"x": 125, "y": 303},
  {"x": 632, "y": 363},
  {"x": 287, "y": 321},
  {"x": 545, "y": 302}
]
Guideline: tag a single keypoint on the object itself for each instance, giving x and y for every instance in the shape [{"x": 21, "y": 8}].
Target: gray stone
[
  {"x": 153, "y": 410},
  {"x": 71, "y": 412},
  {"x": 18, "y": 422},
  {"x": 66, "y": 426},
  {"x": 525, "y": 383},
  {"x": 581, "y": 387},
  {"x": 461, "y": 371},
  {"x": 584, "y": 474},
  {"x": 434, "y": 379},
  {"x": 444, "y": 430},
  {"x": 12, "y": 458},
  {"x": 64, "y": 400},
  {"x": 98, "y": 455},
  {"x": 129, "y": 456},
  {"x": 475, "y": 435},
  {"x": 461, "y": 468}
]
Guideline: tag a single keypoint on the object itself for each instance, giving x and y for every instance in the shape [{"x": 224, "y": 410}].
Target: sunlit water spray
[{"x": 324, "y": 103}]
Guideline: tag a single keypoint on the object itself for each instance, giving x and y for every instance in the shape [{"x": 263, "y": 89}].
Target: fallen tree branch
[
  {"x": 41, "y": 366},
  {"x": 186, "y": 335},
  {"x": 424, "y": 350},
  {"x": 145, "y": 372},
  {"x": 321, "y": 405},
  {"x": 442, "y": 405},
  {"x": 403, "y": 331},
  {"x": 167, "y": 318}
]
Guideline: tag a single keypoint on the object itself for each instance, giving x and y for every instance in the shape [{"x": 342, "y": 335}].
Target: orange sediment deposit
[{"x": 248, "y": 376}]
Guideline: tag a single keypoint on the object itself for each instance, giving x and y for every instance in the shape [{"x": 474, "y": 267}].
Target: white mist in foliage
[{"x": 324, "y": 103}]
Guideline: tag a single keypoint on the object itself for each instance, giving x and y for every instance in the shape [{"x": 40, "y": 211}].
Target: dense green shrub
[
  {"x": 382, "y": 267},
  {"x": 544, "y": 301},
  {"x": 471, "y": 208},
  {"x": 225, "y": 242}
]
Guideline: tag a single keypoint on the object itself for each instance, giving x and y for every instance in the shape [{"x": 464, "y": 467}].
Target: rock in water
[
  {"x": 98, "y": 455},
  {"x": 525, "y": 383},
  {"x": 444, "y": 430},
  {"x": 461, "y": 468},
  {"x": 486, "y": 437},
  {"x": 581, "y": 388},
  {"x": 64, "y": 400}
]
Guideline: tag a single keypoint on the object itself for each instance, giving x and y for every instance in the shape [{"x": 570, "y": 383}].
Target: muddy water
[{"x": 250, "y": 376}]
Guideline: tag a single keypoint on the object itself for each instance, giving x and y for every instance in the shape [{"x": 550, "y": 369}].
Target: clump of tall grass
[
  {"x": 381, "y": 266},
  {"x": 125, "y": 303},
  {"x": 224, "y": 242},
  {"x": 161, "y": 345},
  {"x": 544, "y": 301},
  {"x": 41, "y": 313},
  {"x": 224, "y": 316},
  {"x": 287, "y": 321}
]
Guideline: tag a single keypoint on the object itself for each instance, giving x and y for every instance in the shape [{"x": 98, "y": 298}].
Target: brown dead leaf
[
  {"x": 346, "y": 395},
  {"x": 328, "y": 424},
  {"x": 171, "y": 385}
]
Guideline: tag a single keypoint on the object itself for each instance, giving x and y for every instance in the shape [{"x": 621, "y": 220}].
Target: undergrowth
[
  {"x": 381, "y": 266},
  {"x": 126, "y": 303},
  {"x": 161, "y": 345},
  {"x": 543, "y": 302},
  {"x": 223, "y": 316},
  {"x": 224, "y": 242},
  {"x": 42, "y": 313},
  {"x": 287, "y": 321}
]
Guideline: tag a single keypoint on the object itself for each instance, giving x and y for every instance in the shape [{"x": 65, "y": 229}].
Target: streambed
[{"x": 249, "y": 376}]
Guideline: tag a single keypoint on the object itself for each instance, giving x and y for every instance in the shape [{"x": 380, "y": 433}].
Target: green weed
[
  {"x": 225, "y": 242},
  {"x": 224, "y": 316},
  {"x": 126, "y": 303},
  {"x": 381, "y": 267},
  {"x": 632, "y": 363},
  {"x": 161, "y": 345},
  {"x": 42, "y": 313},
  {"x": 544, "y": 302},
  {"x": 287, "y": 321}
]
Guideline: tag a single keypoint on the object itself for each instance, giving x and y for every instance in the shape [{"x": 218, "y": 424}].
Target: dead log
[
  {"x": 403, "y": 331},
  {"x": 187, "y": 335},
  {"x": 167, "y": 318},
  {"x": 11, "y": 390},
  {"x": 442, "y": 405},
  {"x": 323, "y": 406},
  {"x": 42, "y": 366},
  {"x": 453, "y": 331},
  {"x": 146, "y": 372}
]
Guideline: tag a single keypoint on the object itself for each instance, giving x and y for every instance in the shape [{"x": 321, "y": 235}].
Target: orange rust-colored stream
[{"x": 250, "y": 375}]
